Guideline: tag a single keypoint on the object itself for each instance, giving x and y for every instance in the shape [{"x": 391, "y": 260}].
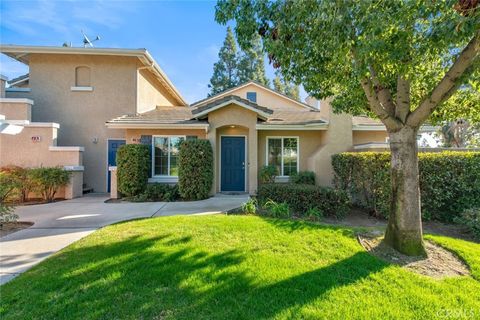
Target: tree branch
[
  {"x": 403, "y": 99},
  {"x": 384, "y": 95},
  {"x": 448, "y": 85},
  {"x": 389, "y": 121}
]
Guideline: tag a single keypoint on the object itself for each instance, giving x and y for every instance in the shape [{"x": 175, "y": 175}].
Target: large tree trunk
[{"x": 404, "y": 230}]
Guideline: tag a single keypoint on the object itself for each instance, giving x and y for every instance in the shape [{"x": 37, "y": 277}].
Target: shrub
[
  {"x": 21, "y": 179},
  {"x": 47, "y": 181},
  {"x": 195, "y": 169},
  {"x": 471, "y": 219},
  {"x": 277, "y": 210},
  {"x": 304, "y": 177},
  {"x": 7, "y": 186},
  {"x": 132, "y": 169},
  {"x": 449, "y": 181},
  {"x": 302, "y": 197},
  {"x": 158, "y": 192},
  {"x": 314, "y": 214},
  {"x": 250, "y": 207},
  {"x": 268, "y": 174}
]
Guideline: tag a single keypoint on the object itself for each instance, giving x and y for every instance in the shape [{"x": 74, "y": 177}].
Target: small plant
[
  {"x": 47, "y": 181},
  {"x": 277, "y": 210},
  {"x": 471, "y": 219},
  {"x": 268, "y": 174},
  {"x": 304, "y": 177},
  {"x": 314, "y": 214},
  {"x": 250, "y": 207}
]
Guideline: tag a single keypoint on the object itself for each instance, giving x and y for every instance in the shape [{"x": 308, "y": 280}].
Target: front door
[
  {"x": 113, "y": 146},
  {"x": 232, "y": 164}
]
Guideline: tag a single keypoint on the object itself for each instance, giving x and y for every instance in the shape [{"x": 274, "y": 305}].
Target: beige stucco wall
[
  {"x": 245, "y": 123},
  {"x": 265, "y": 98},
  {"x": 309, "y": 142},
  {"x": 360, "y": 137},
  {"x": 151, "y": 93},
  {"x": 82, "y": 115},
  {"x": 20, "y": 110},
  {"x": 338, "y": 138},
  {"x": 21, "y": 150}
]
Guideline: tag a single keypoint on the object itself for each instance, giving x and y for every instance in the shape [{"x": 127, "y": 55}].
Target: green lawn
[{"x": 234, "y": 267}]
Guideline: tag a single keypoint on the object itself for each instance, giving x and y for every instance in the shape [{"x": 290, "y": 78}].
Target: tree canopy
[
  {"x": 288, "y": 88},
  {"x": 235, "y": 67},
  {"x": 251, "y": 63},
  {"x": 401, "y": 61},
  {"x": 225, "y": 74},
  {"x": 345, "y": 43}
]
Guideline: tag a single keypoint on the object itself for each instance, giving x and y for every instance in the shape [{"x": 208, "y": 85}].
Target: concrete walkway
[{"x": 56, "y": 225}]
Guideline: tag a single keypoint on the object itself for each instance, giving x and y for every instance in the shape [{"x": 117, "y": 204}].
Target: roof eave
[
  {"x": 279, "y": 126},
  {"x": 155, "y": 125}
]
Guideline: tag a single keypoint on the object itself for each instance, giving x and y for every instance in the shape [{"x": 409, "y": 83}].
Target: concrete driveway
[{"x": 56, "y": 225}]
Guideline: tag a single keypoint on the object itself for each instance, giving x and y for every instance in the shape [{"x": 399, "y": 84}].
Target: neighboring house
[
  {"x": 106, "y": 97},
  {"x": 26, "y": 143},
  {"x": 82, "y": 88}
]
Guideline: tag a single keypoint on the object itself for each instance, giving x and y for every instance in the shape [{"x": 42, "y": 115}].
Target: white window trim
[
  {"x": 86, "y": 89},
  {"x": 254, "y": 92},
  {"x": 281, "y": 176},
  {"x": 163, "y": 177}
]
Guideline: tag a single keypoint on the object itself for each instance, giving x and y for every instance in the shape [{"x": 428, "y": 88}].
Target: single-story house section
[
  {"x": 102, "y": 98},
  {"x": 251, "y": 126}
]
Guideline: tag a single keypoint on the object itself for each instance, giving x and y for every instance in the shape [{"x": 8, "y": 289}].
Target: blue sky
[{"x": 181, "y": 35}]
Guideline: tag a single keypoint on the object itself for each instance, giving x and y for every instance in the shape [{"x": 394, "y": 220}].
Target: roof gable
[
  {"x": 203, "y": 110},
  {"x": 266, "y": 97}
]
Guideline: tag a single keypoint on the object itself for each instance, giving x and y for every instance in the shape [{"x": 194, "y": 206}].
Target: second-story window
[
  {"x": 82, "y": 77},
  {"x": 252, "y": 96}
]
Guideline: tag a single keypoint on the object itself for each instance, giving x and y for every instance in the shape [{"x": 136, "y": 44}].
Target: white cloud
[{"x": 62, "y": 18}]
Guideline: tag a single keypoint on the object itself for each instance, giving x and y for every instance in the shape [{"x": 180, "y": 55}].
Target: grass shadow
[{"x": 169, "y": 276}]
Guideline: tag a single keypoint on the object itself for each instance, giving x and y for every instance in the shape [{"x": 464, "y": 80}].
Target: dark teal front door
[{"x": 232, "y": 164}]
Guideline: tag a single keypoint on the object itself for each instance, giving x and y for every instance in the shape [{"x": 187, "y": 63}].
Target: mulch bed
[
  {"x": 439, "y": 262},
  {"x": 11, "y": 227}
]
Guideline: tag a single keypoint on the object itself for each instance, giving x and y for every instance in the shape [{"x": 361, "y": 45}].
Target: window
[
  {"x": 82, "y": 77},
  {"x": 252, "y": 96},
  {"x": 165, "y": 155},
  {"x": 282, "y": 152}
]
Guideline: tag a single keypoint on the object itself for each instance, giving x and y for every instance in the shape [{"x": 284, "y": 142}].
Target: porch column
[
  {"x": 212, "y": 137},
  {"x": 252, "y": 159}
]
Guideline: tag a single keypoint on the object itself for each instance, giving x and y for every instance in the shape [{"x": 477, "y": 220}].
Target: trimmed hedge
[
  {"x": 449, "y": 181},
  {"x": 304, "y": 177},
  {"x": 195, "y": 169},
  {"x": 302, "y": 197},
  {"x": 158, "y": 192},
  {"x": 132, "y": 168},
  {"x": 471, "y": 219}
]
